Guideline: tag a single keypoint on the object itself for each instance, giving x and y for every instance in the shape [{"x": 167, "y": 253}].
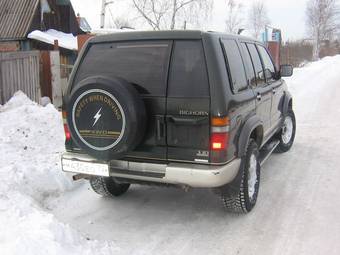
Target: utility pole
[{"x": 102, "y": 13}]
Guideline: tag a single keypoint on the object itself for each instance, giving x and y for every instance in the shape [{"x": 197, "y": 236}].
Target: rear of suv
[{"x": 180, "y": 108}]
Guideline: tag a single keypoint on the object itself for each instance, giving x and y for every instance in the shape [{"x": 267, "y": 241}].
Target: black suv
[{"x": 176, "y": 108}]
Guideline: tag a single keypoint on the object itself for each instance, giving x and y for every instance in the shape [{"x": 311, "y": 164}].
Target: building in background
[
  {"x": 48, "y": 26},
  {"x": 272, "y": 37},
  {"x": 18, "y": 18}
]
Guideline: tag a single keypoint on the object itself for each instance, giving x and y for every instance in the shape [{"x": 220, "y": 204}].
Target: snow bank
[
  {"x": 31, "y": 141},
  {"x": 314, "y": 74},
  {"x": 67, "y": 41}
]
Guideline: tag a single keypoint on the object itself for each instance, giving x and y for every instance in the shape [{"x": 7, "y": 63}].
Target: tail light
[
  {"x": 219, "y": 134},
  {"x": 219, "y": 141},
  {"x": 66, "y": 129}
]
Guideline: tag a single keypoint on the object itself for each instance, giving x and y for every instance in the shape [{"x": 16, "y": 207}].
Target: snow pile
[
  {"x": 31, "y": 141},
  {"x": 313, "y": 75},
  {"x": 67, "y": 41}
]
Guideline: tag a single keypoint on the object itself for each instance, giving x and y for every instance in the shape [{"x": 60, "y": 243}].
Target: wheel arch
[
  {"x": 252, "y": 128},
  {"x": 287, "y": 103}
]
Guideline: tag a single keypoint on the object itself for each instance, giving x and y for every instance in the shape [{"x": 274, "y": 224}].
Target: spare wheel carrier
[{"x": 106, "y": 117}]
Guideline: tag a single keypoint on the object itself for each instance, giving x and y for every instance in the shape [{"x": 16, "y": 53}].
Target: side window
[
  {"x": 248, "y": 65},
  {"x": 235, "y": 64},
  {"x": 188, "y": 72},
  {"x": 260, "y": 78},
  {"x": 269, "y": 68}
]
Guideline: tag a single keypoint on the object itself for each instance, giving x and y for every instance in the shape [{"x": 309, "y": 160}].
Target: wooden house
[{"x": 20, "y": 23}]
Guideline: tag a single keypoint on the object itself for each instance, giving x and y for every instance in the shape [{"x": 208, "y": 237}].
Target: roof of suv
[{"x": 167, "y": 34}]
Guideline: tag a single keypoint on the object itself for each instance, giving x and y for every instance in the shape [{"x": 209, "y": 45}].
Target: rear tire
[
  {"x": 107, "y": 187},
  {"x": 287, "y": 133},
  {"x": 242, "y": 198}
]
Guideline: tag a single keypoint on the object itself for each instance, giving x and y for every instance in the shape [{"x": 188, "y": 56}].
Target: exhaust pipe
[{"x": 78, "y": 177}]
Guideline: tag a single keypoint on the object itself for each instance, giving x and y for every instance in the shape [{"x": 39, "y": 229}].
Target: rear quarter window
[
  {"x": 235, "y": 65},
  {"x": 143, "y": 63}
]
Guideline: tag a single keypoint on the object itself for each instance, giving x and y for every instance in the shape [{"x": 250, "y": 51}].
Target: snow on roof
[{"x": 67, "y": 41}]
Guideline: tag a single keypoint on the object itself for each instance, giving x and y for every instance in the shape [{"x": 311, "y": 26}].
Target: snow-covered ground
[
  {"x": 298, "y": 211},
  {"x": 31, "y": 141}
]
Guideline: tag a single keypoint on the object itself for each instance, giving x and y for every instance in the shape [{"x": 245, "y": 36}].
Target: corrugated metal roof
[{"x": 16, "y": 17}]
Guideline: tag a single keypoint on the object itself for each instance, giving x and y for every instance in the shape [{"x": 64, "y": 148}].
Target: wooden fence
[{"x": 19, "y": 71}]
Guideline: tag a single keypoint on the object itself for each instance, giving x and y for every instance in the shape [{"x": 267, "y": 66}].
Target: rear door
[
  {"x": 261, "y": 89},
  {"x": 188, "y": 104},
  {"x": 145, "y": 65},
  {"x": 241, "y": 74}
]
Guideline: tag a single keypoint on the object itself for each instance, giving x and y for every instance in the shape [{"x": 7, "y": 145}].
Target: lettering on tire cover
[{"x": 98, "y": 119}]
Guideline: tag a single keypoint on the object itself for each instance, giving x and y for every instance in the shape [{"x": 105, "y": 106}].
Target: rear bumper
[{"x": 192, "y": 175}]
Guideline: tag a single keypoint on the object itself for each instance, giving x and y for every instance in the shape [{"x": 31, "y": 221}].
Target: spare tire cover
[{"x": 106, "y": 117}]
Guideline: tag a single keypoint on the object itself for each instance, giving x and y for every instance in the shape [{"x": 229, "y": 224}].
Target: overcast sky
[{"x": 288, "y": 15}]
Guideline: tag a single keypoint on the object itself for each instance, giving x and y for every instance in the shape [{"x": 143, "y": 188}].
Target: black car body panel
[{"x": 178, "y": 124}]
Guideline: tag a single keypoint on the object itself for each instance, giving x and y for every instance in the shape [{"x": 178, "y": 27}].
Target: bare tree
[
  {"x": 234, "y": 19},
  {"x": 258, "y": 18},
  {"x": 166, "y": 14},
  {"x": 152, "y": 11},
  {"x": 321, "y": 22},
  {"x": 121, "y": 22}
]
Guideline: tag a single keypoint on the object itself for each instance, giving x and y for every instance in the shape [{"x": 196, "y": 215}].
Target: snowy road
[{"x": 298, "y": 210}]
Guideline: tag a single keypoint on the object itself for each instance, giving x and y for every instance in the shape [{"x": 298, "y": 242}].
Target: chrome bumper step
[{"x": 267, "y": 150}]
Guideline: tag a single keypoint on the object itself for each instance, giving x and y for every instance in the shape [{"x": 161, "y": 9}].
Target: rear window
[
  {"x": 142, "y": 63},
  {"x": 188, "y": 72}
]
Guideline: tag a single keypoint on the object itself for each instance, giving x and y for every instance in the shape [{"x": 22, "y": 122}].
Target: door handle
[
  {"x": 259, "y": 97},
  {"x": 188, "y": 121},
  {"x": 160, "y": 128}
]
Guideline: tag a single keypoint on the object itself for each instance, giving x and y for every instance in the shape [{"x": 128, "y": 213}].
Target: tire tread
[
  {"x": 107, "y": 187},
  {"x": 236, "y": 203}
]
